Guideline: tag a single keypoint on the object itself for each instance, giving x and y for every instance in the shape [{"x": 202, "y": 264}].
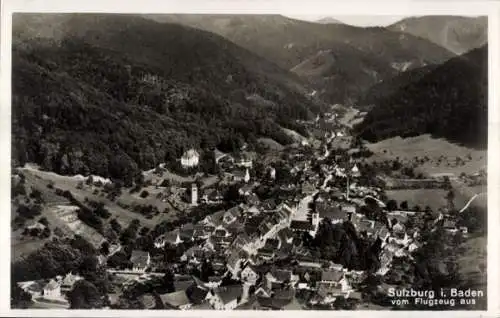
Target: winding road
[{"x": 471, "y": 200}]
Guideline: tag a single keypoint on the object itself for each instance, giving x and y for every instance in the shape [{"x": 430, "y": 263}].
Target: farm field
[
  {"x": 472, "y": 264},
  {"x": 408, "y": 148},
  {"x": 434, "y": 198},
  {"x": 40, "y": 179}
]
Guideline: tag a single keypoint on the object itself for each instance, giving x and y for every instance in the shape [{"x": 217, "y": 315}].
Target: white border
[{"x": 288, "y": 7}]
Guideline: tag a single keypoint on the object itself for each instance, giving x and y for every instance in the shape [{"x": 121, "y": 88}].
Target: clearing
[
  {"x": 408, "y": 148},
  {"x": 434, "y": 198}
]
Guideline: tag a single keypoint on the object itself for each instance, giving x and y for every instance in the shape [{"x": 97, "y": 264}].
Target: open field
[
  {"x": 271, "y": 143},
  {"x": 434, "y": 198},
  {"x": 424, "y": 145},
  {"x": 294, "y": 135},
  {"x": 40, "y": 180},
  {"x": 472, "y": 266},
  {"x": 22, "y": 247}
]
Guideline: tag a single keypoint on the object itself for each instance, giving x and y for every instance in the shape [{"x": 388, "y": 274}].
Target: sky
[{"x": 374, "y": 20}]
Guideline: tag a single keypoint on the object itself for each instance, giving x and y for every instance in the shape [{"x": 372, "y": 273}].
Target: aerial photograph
[{"x": 248, "y": 162}]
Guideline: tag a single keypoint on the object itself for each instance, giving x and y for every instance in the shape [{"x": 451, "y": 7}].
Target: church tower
[
  {"x": 194, "y": 194},
  {"x": 247, "y": 176}
]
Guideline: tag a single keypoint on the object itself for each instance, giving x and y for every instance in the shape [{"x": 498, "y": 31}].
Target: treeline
[
  {"x": 343, "y": 245},
  {"x": 80, "y": 108},
  {"x": 450, "y": 101},
  {"x": 54, "y": 258}
]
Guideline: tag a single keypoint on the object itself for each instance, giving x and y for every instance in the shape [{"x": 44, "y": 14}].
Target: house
[
  {"x": 221, "y": 232},
  {"x": 140, "y": 260},
  {"x": 249, "y": 275},
  {"x": 244, "y": 160},
  {"x": 35, "y": 288},
  {"x": 266, "y": 253},
  {"x": 310, "y": 265},
  {"x": 264, "y": 289},
  {"x": 226, "y": 298},
  {"x": 332, "y": 277},
  {"x": 413, "y": 247},
  {"x": 450, "y": 226},
  {"x": 190, "y": 158},
  {"x": 272, "y": 244},
  {"x": 463, "y": 229},
  {"x": 301, "y": 226},
  {"x": 199, "y": 232},
  {"x": 336, "y": 278},
  {"x": 246, "y": 190},
  {"x": 272, "y": 173},
  {"x": 240, "y": 175},
  {"x": 37, "y": 226},
  {"x": 172, "y": 238},
  {"x": 219, "y": 156},
  {"x": 278, "y": 301},
  {"x": 269, "y": 204},
  {"x": 355, "y": 171},
  {"x": 328, "y": 293},
  {"x": 176, "y": 300},
  {"x": 194, "y": 255},
  {"x": 381, "y": 230},
  {"x": 198, "y": 294},
  {"x": 242, "y": 241},
  {"x": 52, "y": 289},
  {"x": 286, "y": 236},
  {"x": 386, "y": 257},
  {"x": 234, "y": 262},
  {"x": 252, "y": 199},
  {"x": 232, "y": 214},
  {"x": 68, "y": 282},
  {"x": 148, "y": 301},
  {"x": 280, "y": 276},
  {"x": 334, "y": 213},
  {"x": 364, "y": 225}
]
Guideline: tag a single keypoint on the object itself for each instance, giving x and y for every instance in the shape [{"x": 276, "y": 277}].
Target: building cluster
[{"x": 255, "y": 249}]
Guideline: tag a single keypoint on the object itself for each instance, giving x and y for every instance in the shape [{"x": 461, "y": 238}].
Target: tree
[
  {"x": 168, "y": 281},
  {"x": 115, "y": 226},
  {"x": 206, "y": 270},
  {"x": 43, "y": 220},
  {"x": 85, "y": 295},
  {"x": 104, "y": 248},
  {"x": 392, "y": 205},
  {"x": 404, "y": 205},
  {"x": 19, "y": 299}
]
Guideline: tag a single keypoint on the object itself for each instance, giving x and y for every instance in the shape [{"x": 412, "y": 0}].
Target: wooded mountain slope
[
  {"x": 455, "y": 33},
  {"x": 339, "y": 60},
  {"x": 117, "y": 93},
  {"x": 451, "y": 101}
]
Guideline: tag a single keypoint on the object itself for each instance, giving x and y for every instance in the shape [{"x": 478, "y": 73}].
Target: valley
[{"x": 244, "y": 162}]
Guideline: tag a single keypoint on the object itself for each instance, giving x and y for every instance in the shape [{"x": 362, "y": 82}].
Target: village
[{"x": 257, "y": 253}]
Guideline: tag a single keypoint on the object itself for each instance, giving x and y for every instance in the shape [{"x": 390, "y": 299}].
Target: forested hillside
[
  {"x": 391, "y": 85},
  {"x": 339, "y": 60},
  {"x": 451, "y": 101},
  {"x": 455, "y": 33},
  {"x": 117, "y": 93}
]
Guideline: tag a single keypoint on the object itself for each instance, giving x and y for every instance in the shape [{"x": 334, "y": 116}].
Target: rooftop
[
  {"x": 139, "y": 258},
  {"x": 331, "y": 275},
  {"x": 229, "y": 293},
  {"x": 175, "y": 299}
]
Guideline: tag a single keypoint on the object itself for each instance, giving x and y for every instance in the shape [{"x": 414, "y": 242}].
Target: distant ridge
[{"x": 455, "y": 33}]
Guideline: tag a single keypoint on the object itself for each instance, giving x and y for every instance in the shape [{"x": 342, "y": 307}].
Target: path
[{"x": 470, "y": 201}]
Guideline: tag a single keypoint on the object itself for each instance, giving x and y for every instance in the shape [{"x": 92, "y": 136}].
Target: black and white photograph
[{"x": 248, "y": 162}]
